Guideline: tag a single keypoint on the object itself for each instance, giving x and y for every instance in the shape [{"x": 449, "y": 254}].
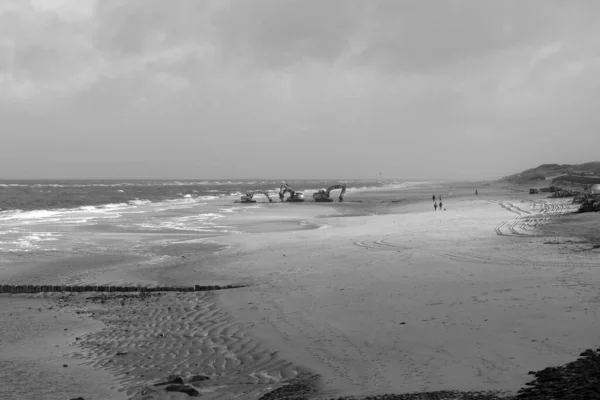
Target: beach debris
[
  {"x": 77, "y": 398},
  {"x": 190, "y": 391},
  {"x": 121, "y": 353},
  {"x": 65, "y": 366}
]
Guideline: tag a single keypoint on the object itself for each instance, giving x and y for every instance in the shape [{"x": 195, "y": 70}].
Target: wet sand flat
[
  {"x": 469, "y": 298},
  {"x": 36, "y": 341},
  {"x": 359, "y": 298}
]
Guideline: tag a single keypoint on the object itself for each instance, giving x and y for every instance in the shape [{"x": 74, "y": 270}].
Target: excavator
[
  {"x": 323, "y": 195},
  {"x": 248, "y": 197},
  {"x": 294, "y": 196}
]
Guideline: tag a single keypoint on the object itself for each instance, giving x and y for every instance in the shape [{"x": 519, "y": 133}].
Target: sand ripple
[{"x": 148, "y": 337}]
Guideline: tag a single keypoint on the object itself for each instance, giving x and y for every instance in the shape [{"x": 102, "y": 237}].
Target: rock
[
  {"x": 170, "y": 380},
  {"x": 198, "y": 378},
  {"x": 190, "y": 391},
  {"x": 580, "y": 379}
]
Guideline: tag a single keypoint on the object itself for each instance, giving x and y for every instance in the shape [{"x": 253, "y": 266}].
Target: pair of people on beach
[{"x": 435, "y": 205}]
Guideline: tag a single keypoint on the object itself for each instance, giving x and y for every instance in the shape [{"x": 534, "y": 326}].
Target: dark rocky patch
[
  {"x": 576, "y": 380},
  {"x": 439, "y": 395},
  {"x": 295, "y": 390},
  {"x": 171, "y": 379},
  {"x": 198, "y": 378},
  {"x": 190, "y": 391}
]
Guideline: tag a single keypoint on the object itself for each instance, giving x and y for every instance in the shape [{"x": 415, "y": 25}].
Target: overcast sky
[{"x": 296, "y": 89}]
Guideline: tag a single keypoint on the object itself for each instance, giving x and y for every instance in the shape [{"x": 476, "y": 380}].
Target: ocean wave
[
  {"x": 129, "y": 184},
  {"x": 29, "y": 241},
  {"x": 197, "y": 223},
  {"x": 138, "y": 202},
  {"x": 144, "y": 194},
  {"x": 24, "y": 215},
  {"x": 96, "y": 211}
]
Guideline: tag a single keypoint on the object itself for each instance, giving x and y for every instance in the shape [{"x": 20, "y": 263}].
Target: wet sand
[{"x": 358, "y": 298}]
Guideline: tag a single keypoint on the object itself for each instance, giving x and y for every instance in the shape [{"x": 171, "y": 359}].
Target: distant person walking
[
  {"x": 475, "y": 192},
  {"x": 433, "y": 197},
  {"x": 440, "y": 205},
  {"x": 440, "y": 198},
  {"x": 435, "y": 206}
]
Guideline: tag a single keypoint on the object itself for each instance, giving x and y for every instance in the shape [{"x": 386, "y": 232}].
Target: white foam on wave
[
  {"x": 25, "y": 215},
  {"x": 138, "y": 202},
  {"x": 127, "y": 184},
  {"x": 86, "y": 213},
  {"x": 196, "y": 223},
  {"x": 29, "y": 241}
]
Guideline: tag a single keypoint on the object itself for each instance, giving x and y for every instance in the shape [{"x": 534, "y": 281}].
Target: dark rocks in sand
[
  {"x": 74, "y": 288},
  {"x": 579, "y": 379},
  {"x": 190, "y": 391},
  {"x": 198, "y": 378},
  {"x": 439, "y": 395},
  {"x": 590, "y": 204},
  {"x": 171, "y": 379},
  {"x": 296, "y": 390}
]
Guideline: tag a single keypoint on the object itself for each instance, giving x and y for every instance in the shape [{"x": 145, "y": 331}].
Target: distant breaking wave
[{"x": 98, "y": 195}]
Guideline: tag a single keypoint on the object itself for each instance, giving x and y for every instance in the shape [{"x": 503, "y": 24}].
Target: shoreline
[{"x": 301, "y": 279}]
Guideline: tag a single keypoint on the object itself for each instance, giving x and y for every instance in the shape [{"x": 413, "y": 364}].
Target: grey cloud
[
  {"x": 277, "y": 33},
  {"x": 133, "y": 27},
  {"x": 385, "y": 83}
]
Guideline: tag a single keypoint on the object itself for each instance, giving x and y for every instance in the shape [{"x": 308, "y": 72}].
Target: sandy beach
[{"x": 379, "y": 294}]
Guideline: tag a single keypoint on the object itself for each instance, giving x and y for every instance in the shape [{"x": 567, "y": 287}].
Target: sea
[{"x": 70, "y": 215}]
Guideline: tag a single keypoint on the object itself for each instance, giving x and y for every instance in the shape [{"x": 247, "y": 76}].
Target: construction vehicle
[
  {"x": 323, "y": 195},
  {"x": 249, "y": 196},
  {"x": 293, "y": 197}
]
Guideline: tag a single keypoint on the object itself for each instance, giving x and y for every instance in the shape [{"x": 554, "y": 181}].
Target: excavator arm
[
  {"x": 248, "y": 197},
  {"x": 294, "y": 196},
  {"x": 282, "y": 190},
  {"x": 323, "y": 195},
  {"x": 335, "y": 187}
]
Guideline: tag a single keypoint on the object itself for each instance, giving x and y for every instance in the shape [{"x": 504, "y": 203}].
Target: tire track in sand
[
  {"x": 526, "y": 222},
  {"x": 522, "y": 227}
]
